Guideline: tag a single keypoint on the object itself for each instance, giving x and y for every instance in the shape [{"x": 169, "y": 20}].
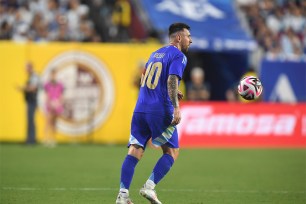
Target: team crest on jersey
[{"x": 88, "y": 95}]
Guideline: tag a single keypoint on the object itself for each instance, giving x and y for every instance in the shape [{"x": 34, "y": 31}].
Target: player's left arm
[
  {"x": 173, "y": 90},
  {"x": 172, "y": 85}
]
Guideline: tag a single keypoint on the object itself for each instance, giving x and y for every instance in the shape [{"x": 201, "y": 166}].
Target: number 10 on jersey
[{"x": 151, "y": 69}]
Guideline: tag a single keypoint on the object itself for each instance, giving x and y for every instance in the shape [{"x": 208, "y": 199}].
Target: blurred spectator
[
  {"x": 75, "y": 14},
  {"x": 275, "y": 22},
  {"x": 294, "y": 18},
  {"x": 30, "y": 94},
  {"x": 5, "y": 31},
  {"x": 198, "y": 90},
  {"x": 231, "y": 94},
  {"x": 121, "y": 18},
  {"x": 246, "y": 2},
  {"x": 153, "y": 37},
  {"x": 278, "y": 26},
  {"x": 62, "y": 34},
  {"x": 291, "y": 44},
  {"x": 54, "y": 107},
  {"x": 20, "y": 27}
]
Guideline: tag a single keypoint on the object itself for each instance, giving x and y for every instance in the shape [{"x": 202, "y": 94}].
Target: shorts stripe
[
  {"x": 164, "y": 137},
  {"x": 133, "y": 140},
  {"x": 168, "y": 132}
]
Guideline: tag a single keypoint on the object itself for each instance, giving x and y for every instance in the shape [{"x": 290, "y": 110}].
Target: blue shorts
[{"x": 145, "y": 126}]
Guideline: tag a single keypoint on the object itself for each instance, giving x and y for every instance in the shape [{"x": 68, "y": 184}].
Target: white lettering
[
  {"x": 220, "y": 124},
  {"x": 196, "y": 126},
  {"x": 304, "y": 125},
  {"x": 265, "y": 122},
  {"x": 194, "y": 10},
  {"x": 285, "y": 125},
  {"x": 202, "y": 121},
  {"x": 245, "y": 124}
]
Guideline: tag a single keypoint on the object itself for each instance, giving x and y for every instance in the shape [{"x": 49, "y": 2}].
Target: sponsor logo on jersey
[{"x": 88, "y": 95}]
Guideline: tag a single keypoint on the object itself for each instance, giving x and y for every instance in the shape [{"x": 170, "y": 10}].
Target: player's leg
[
  {"x": 161, "y": 168},
  {"x": 137, "y": 143},
  {"x": 135, "y": 153},
  {"x": 163, "y": 165},
  {"x": 168, "y": 140}
]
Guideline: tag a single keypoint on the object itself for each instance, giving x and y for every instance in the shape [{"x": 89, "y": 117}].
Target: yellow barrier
[{"x": 98, "y": 84}]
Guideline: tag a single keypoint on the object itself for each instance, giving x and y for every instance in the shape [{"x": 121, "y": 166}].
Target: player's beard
[{"x": 185, "y": 50}]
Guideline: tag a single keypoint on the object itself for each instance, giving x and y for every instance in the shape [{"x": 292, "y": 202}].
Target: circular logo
[{"x": 88, "y": 91}]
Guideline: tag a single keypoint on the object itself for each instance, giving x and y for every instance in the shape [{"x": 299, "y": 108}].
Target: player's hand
[
  {"x": 176, "y": 116},
  {"x": 180, "y": 95}
]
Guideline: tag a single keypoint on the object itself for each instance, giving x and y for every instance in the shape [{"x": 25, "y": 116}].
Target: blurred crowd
[
  {"x": 65, "y": 20},
  {"x": 46, "y": 20},
  {"x": 279, "y": 26}
]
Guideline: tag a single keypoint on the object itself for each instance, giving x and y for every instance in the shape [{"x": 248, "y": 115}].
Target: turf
[{"x": 90, "y": 174}]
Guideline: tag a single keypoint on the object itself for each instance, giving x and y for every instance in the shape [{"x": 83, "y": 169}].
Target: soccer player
[{"x": 157, "y": 113}]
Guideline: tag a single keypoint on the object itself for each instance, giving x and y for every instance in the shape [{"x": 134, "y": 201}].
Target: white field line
[{"x": 165, "y": 190}]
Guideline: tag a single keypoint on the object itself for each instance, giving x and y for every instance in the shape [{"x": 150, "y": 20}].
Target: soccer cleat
[
  {"x": 149, "y": 194},
  {"x": 123, "y": 200}
]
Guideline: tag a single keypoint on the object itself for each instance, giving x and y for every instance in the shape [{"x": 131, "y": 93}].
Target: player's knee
[
  {"x": 136, "y": 151},
  {"x": 172, "y": 152},
  {"x": 175, "y": 154}
]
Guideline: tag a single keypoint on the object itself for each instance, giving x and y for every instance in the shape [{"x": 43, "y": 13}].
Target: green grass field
[{"x": 90, "y": 174}]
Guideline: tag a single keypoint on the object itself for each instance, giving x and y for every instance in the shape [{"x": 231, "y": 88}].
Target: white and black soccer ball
[{"x": 250, "y": 88}]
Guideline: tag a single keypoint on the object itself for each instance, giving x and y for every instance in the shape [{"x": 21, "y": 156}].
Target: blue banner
[
  {"x": 214, "y": 23},
  {"x": 283, "y": 81}
]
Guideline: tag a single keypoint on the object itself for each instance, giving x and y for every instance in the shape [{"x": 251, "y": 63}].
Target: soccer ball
[{"x": 250, "y": 88}]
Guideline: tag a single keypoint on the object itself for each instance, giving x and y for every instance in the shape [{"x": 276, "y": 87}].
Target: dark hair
[{"x": 173, "y": 28}]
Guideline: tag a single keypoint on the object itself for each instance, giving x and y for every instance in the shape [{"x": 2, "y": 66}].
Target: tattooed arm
[
  {"x": 172, "y": 84},
  {"x": 173, "y": 89}
]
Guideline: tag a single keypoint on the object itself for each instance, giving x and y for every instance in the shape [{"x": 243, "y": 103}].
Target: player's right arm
[{"x": 172, "y": 85}]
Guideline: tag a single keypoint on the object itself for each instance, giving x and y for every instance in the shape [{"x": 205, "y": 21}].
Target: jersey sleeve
[{"x": 178, "y": 65}]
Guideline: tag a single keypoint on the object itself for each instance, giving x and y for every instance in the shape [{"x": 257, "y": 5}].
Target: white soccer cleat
[
  {"x": 149, "y": 194},
  {"x": 123, "y": 199}
]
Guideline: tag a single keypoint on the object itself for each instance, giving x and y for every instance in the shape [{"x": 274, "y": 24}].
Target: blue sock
[
  {"x": 161, "y": 168},
  {"x": 127, "y": 171}
]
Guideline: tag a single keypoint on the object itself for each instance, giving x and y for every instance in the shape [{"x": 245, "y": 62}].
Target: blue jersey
[{"x": 153, "y": 95}]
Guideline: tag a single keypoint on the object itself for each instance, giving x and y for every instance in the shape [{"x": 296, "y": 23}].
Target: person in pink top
[{"x": 54, "y": 107}]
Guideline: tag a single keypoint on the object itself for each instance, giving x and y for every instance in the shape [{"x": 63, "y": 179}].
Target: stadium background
[{"x": 119, "y": 36}]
